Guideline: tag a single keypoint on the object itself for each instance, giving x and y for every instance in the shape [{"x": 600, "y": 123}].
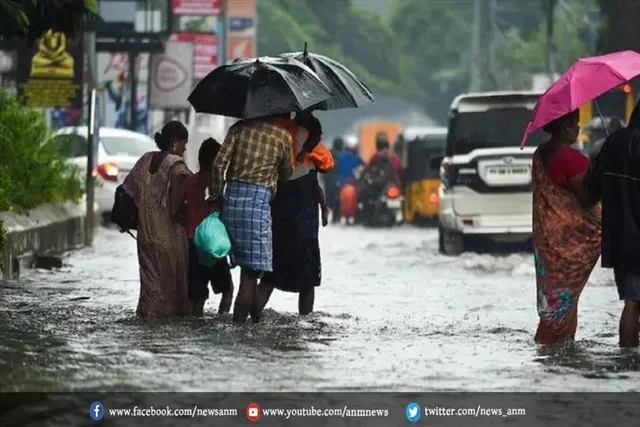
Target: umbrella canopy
[
  {"x": 258, "y": 87},
  {"x": 347, "y": 89},
  {"x": 587, "y": 79}
]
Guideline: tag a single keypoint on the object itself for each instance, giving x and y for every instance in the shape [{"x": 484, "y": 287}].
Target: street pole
[
  {"x": 224, "y": 42},
  {"x": 549, "y": 50},
  {"x": 475, "y": 83},
  {"x": 90, "y": 40},
  {"x": 133, "y": 101}
]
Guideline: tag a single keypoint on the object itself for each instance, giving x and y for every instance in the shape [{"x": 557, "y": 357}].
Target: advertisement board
[
  {"x": 171, "y": 76},
  {"x": 196, "y": 7}
]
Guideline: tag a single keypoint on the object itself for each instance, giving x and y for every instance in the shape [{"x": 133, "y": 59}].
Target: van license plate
[{"x": 493, "y": 171}]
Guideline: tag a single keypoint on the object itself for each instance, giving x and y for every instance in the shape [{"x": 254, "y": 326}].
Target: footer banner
[{"x": 321, "y": 409}]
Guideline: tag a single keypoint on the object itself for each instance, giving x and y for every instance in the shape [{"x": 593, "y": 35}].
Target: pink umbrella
[{"x": 587, "y": 79}]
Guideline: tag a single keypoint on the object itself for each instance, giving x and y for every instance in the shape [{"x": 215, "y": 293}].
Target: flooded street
[{"x": 392, "y": 314}]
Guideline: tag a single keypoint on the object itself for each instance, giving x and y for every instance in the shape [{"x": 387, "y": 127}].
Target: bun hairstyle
[
  {"x": 556, "y": 126},
  {"x": 171, "y": 132}
]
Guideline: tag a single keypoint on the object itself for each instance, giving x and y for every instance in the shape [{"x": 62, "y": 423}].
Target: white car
[
  {"x": 485, "y": 188},
  {"x": 118, "y": 151}
]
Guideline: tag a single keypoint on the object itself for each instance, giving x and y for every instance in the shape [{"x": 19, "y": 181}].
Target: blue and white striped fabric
[{"x": 246, "y": 212}]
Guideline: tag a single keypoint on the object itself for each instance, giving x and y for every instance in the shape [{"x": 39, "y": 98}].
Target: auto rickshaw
[{"x": 417, "y": 147}]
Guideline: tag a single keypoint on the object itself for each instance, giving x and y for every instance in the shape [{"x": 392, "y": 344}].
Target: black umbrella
[
  {"x": 258, "y": 87},
  {"x": 348, "y": 91}
]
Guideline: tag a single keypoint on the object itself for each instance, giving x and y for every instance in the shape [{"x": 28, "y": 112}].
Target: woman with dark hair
[
  {"x": 296, "y": 209},
  {"x": 566, "y": 230},
  {"x": 155, "y": 183}
]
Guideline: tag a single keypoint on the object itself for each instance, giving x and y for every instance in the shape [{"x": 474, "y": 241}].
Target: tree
[
  {"x": 437, "y": 36},
  {"x": 620, "y": 30},
  {"x": 30, "y": 19},
  {"x": 338, "y": 29}
]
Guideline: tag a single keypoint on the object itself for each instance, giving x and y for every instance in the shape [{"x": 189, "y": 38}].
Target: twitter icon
[{"x": 413, "y": 412}]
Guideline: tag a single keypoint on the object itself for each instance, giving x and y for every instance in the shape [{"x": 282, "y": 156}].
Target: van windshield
[{"x": 492, "y": 129}]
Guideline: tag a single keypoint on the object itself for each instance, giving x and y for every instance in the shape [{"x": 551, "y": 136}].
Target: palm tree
[{"x": 30, "y": 19}]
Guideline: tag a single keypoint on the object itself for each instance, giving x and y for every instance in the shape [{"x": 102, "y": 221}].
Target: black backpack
[{"x": 125, "y": 212}]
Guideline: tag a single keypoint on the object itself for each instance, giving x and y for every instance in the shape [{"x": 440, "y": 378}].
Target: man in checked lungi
[{"x": 255, "y": 154}]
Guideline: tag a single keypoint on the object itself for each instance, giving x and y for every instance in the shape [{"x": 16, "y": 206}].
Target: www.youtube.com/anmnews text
[{"x": 254, "y": 412}]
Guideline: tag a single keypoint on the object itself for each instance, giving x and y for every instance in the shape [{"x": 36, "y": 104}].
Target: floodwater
[{"x": 392, "y": 315}]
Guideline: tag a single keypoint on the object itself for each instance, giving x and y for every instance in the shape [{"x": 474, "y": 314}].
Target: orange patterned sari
[{"x": 566, "y": 241}]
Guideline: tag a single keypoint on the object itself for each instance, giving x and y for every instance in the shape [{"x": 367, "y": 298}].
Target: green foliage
[
  {"x": 357, "y": 38},
  {"x": 30, "y": 19},
  {"x": 422, "y": 50},
  {"x": 32, "y": 172}
]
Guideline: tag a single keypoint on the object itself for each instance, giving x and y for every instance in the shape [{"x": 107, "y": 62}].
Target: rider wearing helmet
[
  {"x": 349, "y": 161},
  {"x": 383, "y": 152}
]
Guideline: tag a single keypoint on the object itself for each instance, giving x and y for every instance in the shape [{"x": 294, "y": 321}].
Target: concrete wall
[{"x": 46, "y": 232}]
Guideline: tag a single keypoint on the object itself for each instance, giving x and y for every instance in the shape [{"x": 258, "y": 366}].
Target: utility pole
[
  {"x": 475, "y": 83},
  {"x": 90, "y": 43},
  {"x": 133, "y": 96},
  {"x": 549, "y": 64},
  {"x": 223, "y": 41}
]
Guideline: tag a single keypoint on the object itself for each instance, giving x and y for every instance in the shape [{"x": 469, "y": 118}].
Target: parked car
[
  {"x": 485, "y": 189},
  {"x": 118, "y": 151}
]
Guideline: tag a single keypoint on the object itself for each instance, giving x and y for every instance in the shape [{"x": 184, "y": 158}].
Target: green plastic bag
[{"x": 212, "y": 240}]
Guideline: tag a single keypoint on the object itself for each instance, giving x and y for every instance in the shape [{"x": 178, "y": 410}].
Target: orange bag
[{"x": 348, "y": 201}]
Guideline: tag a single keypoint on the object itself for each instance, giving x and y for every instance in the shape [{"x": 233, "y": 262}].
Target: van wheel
[{"x": 450, "y": 242}]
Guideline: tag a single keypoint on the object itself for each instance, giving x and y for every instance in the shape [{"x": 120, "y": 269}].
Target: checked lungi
[{"x": 246, "y": 212}]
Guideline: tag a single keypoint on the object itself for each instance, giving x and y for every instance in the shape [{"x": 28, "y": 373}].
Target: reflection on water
[{"x": 392, "y": 315}]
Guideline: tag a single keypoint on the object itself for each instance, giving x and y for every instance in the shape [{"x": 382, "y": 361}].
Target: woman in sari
[
  {"x": 154, "y": 183},
  {"x": 566, "y": 230}
]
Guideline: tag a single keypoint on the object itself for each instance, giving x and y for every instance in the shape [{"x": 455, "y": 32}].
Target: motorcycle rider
[
  {"x": 384, "y": 168},
  {"x": 348, "y": 161},
  {"x": 331, "y": 188},
  {"x": 383, "y": 153}
]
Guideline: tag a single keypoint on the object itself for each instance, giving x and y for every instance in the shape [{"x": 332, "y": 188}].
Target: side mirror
[{"x": 435, "y": 162}]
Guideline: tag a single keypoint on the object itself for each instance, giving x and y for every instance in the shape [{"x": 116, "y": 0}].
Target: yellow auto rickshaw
[{"x": 417, "y": 146}]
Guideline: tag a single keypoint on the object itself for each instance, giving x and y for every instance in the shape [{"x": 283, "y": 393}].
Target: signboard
[
  {"x": 113, "y": 73},
  {"x": 205, "y": 55},
  {"x": 241, "y": 48},
  {"x": 172, "y": 76},
  {"x": 241, "y": 16},
  {"x": 196, "y": 7},
  {"x": 51, "y": 73}
]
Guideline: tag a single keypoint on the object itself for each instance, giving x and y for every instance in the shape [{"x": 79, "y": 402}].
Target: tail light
[
  {"x": 393, "y": 192},
  {"x": 108, "y": 171},
  {"x": 434, "y": 199}
]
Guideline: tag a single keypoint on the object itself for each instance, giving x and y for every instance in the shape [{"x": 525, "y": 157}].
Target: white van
[{"x": 485, "y": 188}]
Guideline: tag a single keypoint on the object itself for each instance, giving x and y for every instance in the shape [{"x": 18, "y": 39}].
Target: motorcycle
[{"x": 381, "y": 202}]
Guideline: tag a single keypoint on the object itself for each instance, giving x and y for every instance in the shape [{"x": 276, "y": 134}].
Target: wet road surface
[{"x": 392, "y": 314}]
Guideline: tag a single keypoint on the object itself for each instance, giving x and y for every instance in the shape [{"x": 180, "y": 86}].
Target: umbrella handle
[{"x": 606, "y": 131}]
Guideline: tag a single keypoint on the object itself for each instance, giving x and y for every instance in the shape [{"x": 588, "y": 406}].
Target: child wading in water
[{"x": 195, "y": 188}]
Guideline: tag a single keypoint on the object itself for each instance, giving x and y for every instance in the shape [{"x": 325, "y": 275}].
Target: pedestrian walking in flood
[
  {"x": 296, "y": 209},
  {"x": 200, "y": 275},
  {"x": 614, "y": 177},
  {"x": 155, "y": 184},
  {"x": 255, "y": 154},
  {"x": 566, "y": 230}
]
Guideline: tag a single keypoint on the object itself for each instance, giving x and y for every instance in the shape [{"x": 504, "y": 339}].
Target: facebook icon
[{"x": 96, "y": 410}]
